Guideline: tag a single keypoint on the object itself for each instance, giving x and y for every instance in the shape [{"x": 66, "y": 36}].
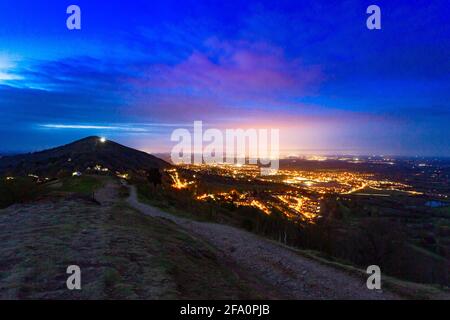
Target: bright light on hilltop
[{"x": 102, "y": 139}]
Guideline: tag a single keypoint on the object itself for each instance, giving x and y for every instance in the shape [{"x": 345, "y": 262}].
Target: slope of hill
[
  {"x": 129, "y": 250},
  {"x": 122, "y": 253},
  {"x": 80, "y": 155}
]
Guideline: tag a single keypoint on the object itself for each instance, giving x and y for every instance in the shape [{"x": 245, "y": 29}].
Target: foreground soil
[
  {"x": 290, "y": 274},
  {"x": 130, "y": 250},
  {"x": 122, "y": 253}
]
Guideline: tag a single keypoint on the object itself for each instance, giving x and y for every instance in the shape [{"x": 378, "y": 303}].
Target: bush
[{"x": 19, "y": 190}]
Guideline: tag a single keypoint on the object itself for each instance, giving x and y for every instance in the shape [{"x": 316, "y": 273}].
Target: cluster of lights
[
  {"x": 292, "y": 202},
  {"x": 178, "y": 183},
  {"x": 340, "y": 182},
  {"x": 239, "y": 199},
  {"x": 124, "y": 176},
  {"x": 302, "y": 206},
  {"x": 98, "y": 167}
]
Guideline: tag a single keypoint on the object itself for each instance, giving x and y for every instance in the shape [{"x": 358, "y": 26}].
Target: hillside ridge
[{"x": 79, "y": 156}]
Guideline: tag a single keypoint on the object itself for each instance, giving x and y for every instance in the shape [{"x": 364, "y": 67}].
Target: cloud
[
  {"x": 223, "y": 81},
  {"x": 227, "y": 75},
  {"x": 7, "y": 69},
  {"x": 93, "y": 127},
  {"x": 241, "y": 71}
]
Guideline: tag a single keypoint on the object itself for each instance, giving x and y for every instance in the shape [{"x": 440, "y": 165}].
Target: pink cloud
[{"x": 227, "y": 75}]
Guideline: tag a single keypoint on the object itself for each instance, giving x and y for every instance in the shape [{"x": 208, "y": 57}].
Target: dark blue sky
[{"x": 139, "y": 69}]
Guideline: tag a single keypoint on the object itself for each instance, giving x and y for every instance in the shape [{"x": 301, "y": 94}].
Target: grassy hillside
[
  {"x": 25, "y": 189},
  {"x": 18, "y": 190},
  {"x": 82, "y": 155},
  {"x": 352, "y": 235},
  {"x": 84, "y": 184},
  {"x": 122, "y": 255}
]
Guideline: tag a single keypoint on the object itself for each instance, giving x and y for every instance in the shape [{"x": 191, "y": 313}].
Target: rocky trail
[{"x": 294, "y": 276}]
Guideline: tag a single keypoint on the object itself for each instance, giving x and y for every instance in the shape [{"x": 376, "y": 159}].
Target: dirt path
[
  {"x": 107, "y": 194},
  {"x": 295, "y": 276}
]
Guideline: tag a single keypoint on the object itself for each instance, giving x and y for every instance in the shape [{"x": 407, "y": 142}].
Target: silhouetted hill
[{"x": 80, "y": 155}]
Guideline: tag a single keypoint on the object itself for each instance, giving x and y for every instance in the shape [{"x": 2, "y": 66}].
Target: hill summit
[{"x": 85, "y": 154}]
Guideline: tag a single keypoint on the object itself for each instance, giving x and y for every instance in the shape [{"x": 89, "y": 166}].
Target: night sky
[{"x": 139, "y": 69}]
